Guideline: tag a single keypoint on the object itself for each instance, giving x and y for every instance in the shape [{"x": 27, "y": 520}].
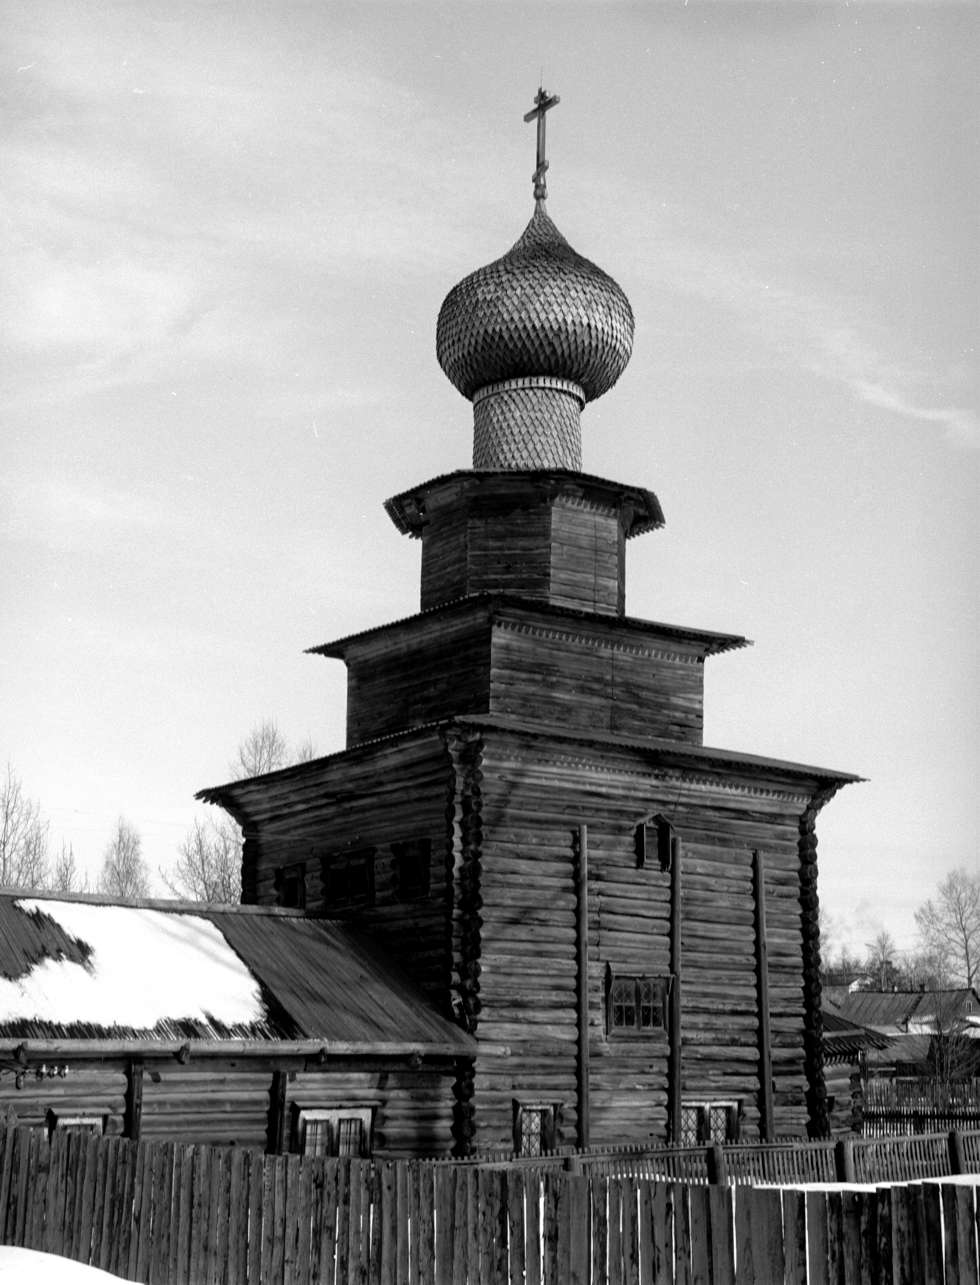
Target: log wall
[
  {"x": 225, "y": 1103},
  {"x": 90, "y": 1089},
  {"x": 412, "y": 1108},
  {"x": 532, "y": 800}
]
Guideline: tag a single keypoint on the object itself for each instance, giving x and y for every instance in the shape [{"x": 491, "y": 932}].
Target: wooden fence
[
  {"x": 157, "y": 1212},
  {"x": 897, "y": 1108}
]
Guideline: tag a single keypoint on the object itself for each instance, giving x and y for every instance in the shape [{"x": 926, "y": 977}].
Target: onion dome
[
  {"x": 530, "y": 339},
  {"x": 541, "y": 309}
]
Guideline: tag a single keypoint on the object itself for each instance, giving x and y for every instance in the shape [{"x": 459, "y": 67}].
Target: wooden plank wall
[
  {"x": 527, "y": 982},
  {"x": 588, "y": 557},
  {"x": 399, "y": 792},
  {"x": 162, "y": 1213},
  {"x": 576, "y": 674},
  {"x": 403, "y": 678}
]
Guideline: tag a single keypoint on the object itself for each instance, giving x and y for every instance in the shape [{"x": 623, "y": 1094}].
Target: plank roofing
[
  {"x": 894, "y": 1010},
  {"x": 84, "y": 969}
]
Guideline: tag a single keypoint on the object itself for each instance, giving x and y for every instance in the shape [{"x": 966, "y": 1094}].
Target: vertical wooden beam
[
  {"x": 766, "y": 1121},
  {"x": 674, "y": 1086},
  {"x": 133, "y": 1109},
  {"x": 582, "y": 980},
  {"x": 275, "y": 1143}
]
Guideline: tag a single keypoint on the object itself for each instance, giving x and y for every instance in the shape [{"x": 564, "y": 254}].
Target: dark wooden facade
[
  {"x": 338, "y": 1034},
  {"x": 624, "y": 919}
]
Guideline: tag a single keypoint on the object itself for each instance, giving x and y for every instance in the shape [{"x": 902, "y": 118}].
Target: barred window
[
  {"x": 535, "y": 1127},
  {"x": 704, "y": 1122},
  {"x": 344, "y": 1132},
  {"x": 635, "y": 1004}
]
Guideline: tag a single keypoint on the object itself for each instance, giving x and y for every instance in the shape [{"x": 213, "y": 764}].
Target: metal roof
[{"x": 298, "y": 978}]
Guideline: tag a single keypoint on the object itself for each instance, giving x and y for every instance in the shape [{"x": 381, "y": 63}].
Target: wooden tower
[{"x": 525, "y": 814}]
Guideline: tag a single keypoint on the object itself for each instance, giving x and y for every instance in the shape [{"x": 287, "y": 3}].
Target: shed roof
[
  {"x": 844, "y": 1039},
  {"x": 893, "y": 1010},
  {"x": 86, "y": 969}
]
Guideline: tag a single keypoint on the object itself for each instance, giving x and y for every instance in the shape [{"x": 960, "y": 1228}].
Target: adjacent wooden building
[
  {"x": 525, "y": 815},
  {"x": 232, "y": 1024}
]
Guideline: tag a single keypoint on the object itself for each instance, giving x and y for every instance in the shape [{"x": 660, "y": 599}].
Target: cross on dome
[{"x": 542, "y": 103}]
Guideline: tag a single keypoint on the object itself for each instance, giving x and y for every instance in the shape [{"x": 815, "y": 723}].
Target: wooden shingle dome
[{"x": 540, "y": 310}]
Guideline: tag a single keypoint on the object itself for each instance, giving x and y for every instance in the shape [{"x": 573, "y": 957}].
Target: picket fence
[{"x": 159, "y": 1212}]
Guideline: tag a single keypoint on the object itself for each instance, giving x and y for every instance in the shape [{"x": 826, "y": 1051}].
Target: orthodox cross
[{"x": 542, "y": 104}]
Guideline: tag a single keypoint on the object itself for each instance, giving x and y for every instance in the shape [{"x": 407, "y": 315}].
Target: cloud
[{"x": 831, "y": 339}]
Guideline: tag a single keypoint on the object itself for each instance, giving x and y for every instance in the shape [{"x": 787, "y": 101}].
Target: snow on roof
[
  {"x": 142, "y": 968},
  {"x": 84, "y": 969}
]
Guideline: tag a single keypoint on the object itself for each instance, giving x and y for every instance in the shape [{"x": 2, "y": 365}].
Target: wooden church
[{"x": 525, "y": 816}]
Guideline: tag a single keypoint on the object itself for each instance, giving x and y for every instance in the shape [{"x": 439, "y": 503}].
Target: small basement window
[
  {"x": 348, "y": 881},
  {"x": 412, "y": 861},
  {"x": 704, "y": 1122},
  {"x": 634, "y": 1004},
  {"x": 343, "y": 1132},
  {"x": 535, "y": 1127},
  {"x": 94, "y": 1124},
  {"x": 290, "y": 885}
]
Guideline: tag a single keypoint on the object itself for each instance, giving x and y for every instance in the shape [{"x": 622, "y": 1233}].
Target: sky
[{"x": 228, "y": 230}]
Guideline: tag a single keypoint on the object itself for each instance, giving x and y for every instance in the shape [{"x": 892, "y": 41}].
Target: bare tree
[
  {"x": 209, "y": 867},
  {"x": 881, "y": 960},
  {"x": 124, "y": 872},
  {"x": 65, "y": 874},
  {"x": 262, "y": 750},
  {"x": 23, "y": 837},
  {"x": 265, "y": 749},
  {"x": 949, "y": 925}
]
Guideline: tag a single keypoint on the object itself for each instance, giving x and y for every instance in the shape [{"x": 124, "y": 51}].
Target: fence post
[
  {"x": 573, "y": 1164},
  {"x": 717, "y": 1165},
  {"x": 844, "y": 1159},
  {"x": 957, "y": 1159}
]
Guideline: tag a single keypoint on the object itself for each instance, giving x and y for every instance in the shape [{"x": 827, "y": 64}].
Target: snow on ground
[
  {"x": 28, "y": 1267},
  {"x": 146, "y": 966}
]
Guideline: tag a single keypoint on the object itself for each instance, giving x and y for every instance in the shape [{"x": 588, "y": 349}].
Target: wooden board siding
[
  {"x": 413, "y": 1108},
  {"x": 588, "y": 557},
  {"x": 533, "y": 797},
  {"x": 401, "y": 680},
  {"x": 574, "y": 675},
  {"x": 89, "y": 1089},
  {"x": 396, "y": 792}
]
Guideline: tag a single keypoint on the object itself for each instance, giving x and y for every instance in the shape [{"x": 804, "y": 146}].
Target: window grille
[
  {"x": 344, "y": 1132},
  {"x": 635, "y": 1004},
  {"x": 706, "y": 1122},
  {"x": 535, "y": 1127}
]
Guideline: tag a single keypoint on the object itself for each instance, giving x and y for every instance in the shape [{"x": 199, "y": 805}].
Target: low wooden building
[
  {"x": 526, "y": 816},
  {"x": 229, "y": 1024}
]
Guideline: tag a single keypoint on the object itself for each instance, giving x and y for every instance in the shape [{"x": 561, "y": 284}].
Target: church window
[
  {"x": 344, "y": 1132},
  {"x": 535, "y": 1127},
  {"x": 290, "y": 885},
  {"x": 705, "y": 1122},
  {"x": 634, "y": 1004},
  {"x": 412, "y": 862},
  {"x": 348, "y": 880},
  {"x": 654, "y": 839}
]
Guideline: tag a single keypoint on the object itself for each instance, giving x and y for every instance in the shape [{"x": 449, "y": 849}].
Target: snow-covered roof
[{"x": 86, "y": 969}]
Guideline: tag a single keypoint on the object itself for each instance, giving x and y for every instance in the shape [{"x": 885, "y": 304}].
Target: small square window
[
  {"x": 75, "y": 1123},
  {"x": 344, "y": 1132},
  {"x": 705, "y": 1122},
  {"x": 348, "y": 880},
  {"x": 635, "y": 1005}
]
